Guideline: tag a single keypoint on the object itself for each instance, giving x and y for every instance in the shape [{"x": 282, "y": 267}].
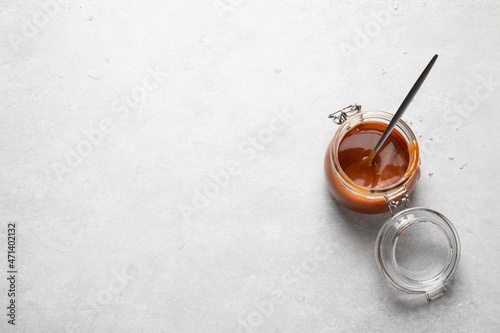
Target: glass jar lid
[{"x": 418, "y": 251}]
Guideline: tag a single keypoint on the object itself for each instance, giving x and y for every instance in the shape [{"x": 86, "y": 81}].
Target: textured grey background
[{"x": 109, "y": 170}]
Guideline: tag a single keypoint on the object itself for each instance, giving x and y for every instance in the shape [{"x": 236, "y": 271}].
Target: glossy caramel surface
[{"x": 389, "y": 165}]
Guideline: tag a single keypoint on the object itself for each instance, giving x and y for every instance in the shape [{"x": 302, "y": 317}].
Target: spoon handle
[{"x": 404, "y": 105}]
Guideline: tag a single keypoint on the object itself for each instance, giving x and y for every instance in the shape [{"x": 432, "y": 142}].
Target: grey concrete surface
[{"x": 163, "y": 162}]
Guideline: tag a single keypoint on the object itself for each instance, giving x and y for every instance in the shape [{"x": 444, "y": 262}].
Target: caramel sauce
[{"x": 389, "y": 165}]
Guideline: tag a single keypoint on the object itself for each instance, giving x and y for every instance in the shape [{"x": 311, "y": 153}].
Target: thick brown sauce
[{"x": 388, "y": 166}]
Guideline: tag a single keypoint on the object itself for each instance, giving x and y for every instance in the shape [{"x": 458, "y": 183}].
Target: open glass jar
[
  {"x": 417, "y": 249},
  {"x": 361, "y": 198}
]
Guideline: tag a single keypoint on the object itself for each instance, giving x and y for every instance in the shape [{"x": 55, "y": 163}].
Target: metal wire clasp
[
  {"x": 395, "y": 199},
  {"x": 341, "y": 115}
]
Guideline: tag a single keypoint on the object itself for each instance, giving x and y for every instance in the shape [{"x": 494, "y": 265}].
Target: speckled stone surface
[{"x": 163, "y": 162}]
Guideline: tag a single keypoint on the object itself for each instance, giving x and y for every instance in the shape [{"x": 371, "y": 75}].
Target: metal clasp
[
  {"x": 396, "y": 198},
  {"x": 341, "y": 115}
]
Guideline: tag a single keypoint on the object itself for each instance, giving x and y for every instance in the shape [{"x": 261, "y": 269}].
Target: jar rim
[{"x": 381, "y": 117}]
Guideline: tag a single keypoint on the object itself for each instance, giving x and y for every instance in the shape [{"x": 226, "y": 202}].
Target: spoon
[{"x": 367, "y": 161}]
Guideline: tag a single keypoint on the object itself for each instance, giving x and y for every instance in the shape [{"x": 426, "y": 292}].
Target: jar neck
[{"x": 383, "y": 118}]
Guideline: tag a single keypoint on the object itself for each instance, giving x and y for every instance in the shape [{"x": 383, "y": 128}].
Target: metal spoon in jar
[{"x": 367, "y": 161}]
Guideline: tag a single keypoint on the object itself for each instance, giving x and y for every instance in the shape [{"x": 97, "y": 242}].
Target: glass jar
[
  {"x": 364, "y": 199},
  {"x": 417, "y": 249}
]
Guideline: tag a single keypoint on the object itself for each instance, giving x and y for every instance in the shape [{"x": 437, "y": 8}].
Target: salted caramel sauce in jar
[
  {"x": 369, "y": 191},
  {"x": 417, "y": 250}
]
